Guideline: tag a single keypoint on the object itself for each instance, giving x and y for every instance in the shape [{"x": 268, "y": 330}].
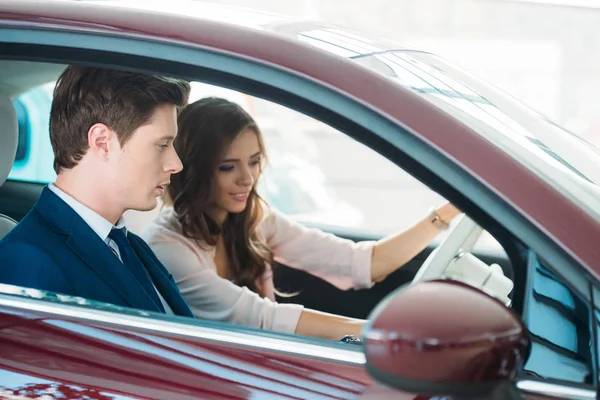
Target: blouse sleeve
[
  {"x": 213, "y": 298},
  {"x": 341, "y": 262}
]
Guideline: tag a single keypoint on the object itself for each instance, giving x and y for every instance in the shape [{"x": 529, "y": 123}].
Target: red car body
[{"x": 60, "y": 350}]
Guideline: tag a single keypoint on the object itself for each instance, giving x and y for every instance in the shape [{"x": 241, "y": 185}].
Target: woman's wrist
[
  {"x": 442, "y": 216},
  {"x": 436, "y": 220}
]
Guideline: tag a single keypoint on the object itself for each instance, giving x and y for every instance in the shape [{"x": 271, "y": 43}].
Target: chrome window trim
[
  {"x": 556, "y": 390},
  {"x": 215, "y": 335}
]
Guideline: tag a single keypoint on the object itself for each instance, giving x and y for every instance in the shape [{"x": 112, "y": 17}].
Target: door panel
[{"x": 42, "y": 352}]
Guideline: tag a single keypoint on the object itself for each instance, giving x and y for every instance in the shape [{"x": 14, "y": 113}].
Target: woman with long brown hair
[{"x": 218, "y": 238}]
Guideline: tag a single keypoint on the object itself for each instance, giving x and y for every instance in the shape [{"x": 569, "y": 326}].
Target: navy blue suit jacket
[{"x": 54, "y": 249}]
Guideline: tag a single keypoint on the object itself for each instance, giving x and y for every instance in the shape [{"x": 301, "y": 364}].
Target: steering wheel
[
  {"x": 460, "y": 238},
  {"x": 453, "y": 259}
]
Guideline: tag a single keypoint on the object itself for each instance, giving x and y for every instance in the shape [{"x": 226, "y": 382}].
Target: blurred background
[{"x": 544, "y": 52}]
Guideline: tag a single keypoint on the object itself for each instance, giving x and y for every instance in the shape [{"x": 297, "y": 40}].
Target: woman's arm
[
  {"x": 394, "y": 251},
  {"x": 213, "y": 298},
  {"x": 327, "y": 326}
]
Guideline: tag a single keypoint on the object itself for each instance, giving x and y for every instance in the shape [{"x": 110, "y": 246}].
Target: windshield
[{"x": 561, "y": 158}]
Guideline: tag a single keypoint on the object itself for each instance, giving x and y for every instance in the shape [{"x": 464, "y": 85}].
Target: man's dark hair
[{"x": 121, "y": 100}]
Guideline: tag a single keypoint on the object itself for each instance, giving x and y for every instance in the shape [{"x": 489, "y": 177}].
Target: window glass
[{"x": 559, "y": 324}]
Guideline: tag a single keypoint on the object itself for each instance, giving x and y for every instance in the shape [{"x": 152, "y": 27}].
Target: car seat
[{"x": 9, "y": 134}]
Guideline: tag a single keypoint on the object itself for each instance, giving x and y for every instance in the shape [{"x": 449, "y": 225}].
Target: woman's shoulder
[
  {"x": 166, "y": 230},
  {"x": 272, "y": 221}
]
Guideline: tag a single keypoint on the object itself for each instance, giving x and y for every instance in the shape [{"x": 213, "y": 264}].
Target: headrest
[{"x": 9, "y": 135}]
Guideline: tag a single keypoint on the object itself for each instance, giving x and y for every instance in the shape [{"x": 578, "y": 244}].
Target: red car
[{"x": 518, "y": 176}]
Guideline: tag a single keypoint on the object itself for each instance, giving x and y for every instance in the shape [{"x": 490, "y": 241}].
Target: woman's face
[{"x": 236, "y": 175}]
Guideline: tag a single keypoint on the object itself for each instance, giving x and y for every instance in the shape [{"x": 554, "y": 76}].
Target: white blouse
[{"x": 341, "y": 262}]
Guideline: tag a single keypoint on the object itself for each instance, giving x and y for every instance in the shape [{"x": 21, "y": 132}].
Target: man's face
[{"x": 143, "y": 166}]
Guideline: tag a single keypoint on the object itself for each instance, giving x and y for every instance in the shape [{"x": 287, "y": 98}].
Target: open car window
[{"x": 315, "y": 174}]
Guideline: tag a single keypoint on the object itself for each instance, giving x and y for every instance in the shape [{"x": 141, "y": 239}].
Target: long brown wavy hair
[{"x": 206, "y": 129}]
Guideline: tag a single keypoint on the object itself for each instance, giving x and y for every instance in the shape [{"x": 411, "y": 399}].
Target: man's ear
[{"x": 99, "y": 137}]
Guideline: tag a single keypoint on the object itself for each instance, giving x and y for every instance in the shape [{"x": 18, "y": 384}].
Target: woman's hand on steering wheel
[{"x": 447, "y": 213}]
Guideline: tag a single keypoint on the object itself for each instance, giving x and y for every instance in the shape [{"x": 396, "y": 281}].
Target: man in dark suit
[{"x": 112, "y": 135}]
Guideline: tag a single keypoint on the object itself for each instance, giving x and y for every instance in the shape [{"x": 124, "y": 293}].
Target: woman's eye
[
  {"x": 255, "y": 162},
  {"x": 226, "y": 168}
]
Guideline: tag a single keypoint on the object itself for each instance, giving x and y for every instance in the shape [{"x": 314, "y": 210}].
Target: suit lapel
[
  {"x": 165, "y": 286},
  {"x": 92, "y": 250},
  {"x": 97, "y": 255}
]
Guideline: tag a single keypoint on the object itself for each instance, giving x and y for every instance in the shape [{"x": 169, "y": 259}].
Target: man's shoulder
[
  {"x": 28, "y": 228},
  {"x": 27, "y": 261},
  {"x": 25, "y": 250},
  {"x": 31, "y": 235}
]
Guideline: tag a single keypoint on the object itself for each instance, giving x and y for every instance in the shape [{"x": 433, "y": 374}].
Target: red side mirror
[{"x": 444, "y": 337}]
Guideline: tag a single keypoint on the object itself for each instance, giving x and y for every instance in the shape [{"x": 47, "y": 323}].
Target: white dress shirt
[{"x": 102, "y": 227}]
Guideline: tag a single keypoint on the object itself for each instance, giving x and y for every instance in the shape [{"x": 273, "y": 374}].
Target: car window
[
  {"x": 319, "y": 175},
  {"x": 560, "y": 327},
  {"x": 315, "y": 174}
]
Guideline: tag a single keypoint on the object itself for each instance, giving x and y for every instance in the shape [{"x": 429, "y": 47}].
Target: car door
[{"x": 58, "y": 345}]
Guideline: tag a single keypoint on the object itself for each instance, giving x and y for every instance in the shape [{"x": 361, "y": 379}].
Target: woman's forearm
[
  {"x": 327, "y": 326},
  {"x": 394, "y": 251}
]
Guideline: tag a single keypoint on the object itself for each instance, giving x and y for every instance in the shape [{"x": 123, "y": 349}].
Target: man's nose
[{"x": 174, "y": 164}]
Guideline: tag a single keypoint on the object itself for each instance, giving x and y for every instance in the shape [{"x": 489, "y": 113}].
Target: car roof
[{"x": 331, "y": 35}]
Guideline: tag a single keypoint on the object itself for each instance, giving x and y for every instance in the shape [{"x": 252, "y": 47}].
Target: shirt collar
[{"x": 98, "y": 223}]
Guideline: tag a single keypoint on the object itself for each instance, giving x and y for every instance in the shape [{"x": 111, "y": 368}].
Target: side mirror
[{"x": 444, "y": 337}]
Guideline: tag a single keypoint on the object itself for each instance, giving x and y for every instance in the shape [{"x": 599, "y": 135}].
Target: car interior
[{"x": 18, "y": 196}]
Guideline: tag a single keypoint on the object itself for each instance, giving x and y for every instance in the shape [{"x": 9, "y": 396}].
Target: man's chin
[{"x": 147, "y": 206}]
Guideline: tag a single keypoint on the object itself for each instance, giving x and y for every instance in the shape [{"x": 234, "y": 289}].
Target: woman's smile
[{"x": 241, "y": 197}]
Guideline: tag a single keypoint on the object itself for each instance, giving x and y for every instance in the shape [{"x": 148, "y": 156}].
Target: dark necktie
[{"x": 134, "y": 264}]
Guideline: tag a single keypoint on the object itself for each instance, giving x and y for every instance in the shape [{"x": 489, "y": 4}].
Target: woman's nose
[{"x": 246, "y": 179}]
